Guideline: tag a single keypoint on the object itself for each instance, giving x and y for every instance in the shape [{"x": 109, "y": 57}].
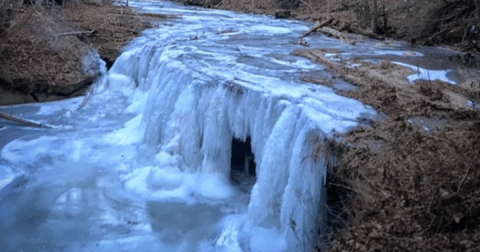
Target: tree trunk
[
  {"x": 385, "y": 18},
  {"x": 366, "y": 13},
  {"x": 477, "y": 7},
  {"x": 375, "y": 28}
]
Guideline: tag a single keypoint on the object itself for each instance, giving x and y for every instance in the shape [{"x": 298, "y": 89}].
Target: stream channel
[{"x": 201, "y": 137}]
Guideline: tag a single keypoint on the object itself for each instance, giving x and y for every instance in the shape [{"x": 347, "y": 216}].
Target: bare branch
[{"x": 23, "y": 121}]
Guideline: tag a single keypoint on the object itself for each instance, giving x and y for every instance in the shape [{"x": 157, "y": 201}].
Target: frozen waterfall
[{"x": 216, "y": 151}]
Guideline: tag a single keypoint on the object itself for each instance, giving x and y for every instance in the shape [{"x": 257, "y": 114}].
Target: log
[
  {"x": 337, "y": 34},
  {"x": 363, "y": 32},
  {"x": 317, "y": 26},
  {"x": 23, "y": 121}
]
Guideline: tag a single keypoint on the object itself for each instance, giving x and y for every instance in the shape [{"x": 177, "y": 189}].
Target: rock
[{"x": 282, "y": 14}]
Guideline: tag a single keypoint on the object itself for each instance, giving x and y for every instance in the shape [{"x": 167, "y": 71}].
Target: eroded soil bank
[
  {"x": 48, "y": 52},
  {"x": 407, "y": 181}
]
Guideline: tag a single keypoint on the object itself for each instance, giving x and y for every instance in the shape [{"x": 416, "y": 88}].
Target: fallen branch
[
  {"x": 430, "y": 40},
  {"x": 362, "y": 32},
  {"x": 75, "y": 33},
  {"x": 337, "y": 34},
  {"x": 317, "y": 26},
  {"x": 23, "y": 121}
]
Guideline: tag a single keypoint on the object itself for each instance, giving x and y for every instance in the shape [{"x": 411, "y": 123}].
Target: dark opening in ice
[{"x": 243, "y": 168}]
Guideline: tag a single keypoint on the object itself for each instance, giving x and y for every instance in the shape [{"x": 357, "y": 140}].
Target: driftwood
[
  {"x": 317, "y": 26},
  {"x": 337, "y": 34},
  {"x": 23, "y": 121},
  {"x": 362, "y": 32}
]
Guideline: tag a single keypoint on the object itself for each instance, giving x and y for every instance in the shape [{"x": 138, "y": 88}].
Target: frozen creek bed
[{"x": 200, "y": 138}]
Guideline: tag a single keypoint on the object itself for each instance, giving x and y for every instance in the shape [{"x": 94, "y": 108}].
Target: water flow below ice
[{"x": 145, "y": 165}]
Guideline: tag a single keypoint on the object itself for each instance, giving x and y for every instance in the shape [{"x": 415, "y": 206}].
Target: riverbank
[
  {"x": 51, "y": 51},
  {"x": 406, "y": 182}
]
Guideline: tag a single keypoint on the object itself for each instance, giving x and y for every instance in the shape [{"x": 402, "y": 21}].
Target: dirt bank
[
  {"x": 49, "y": 53},
  {"x": 409, "y": 181}
]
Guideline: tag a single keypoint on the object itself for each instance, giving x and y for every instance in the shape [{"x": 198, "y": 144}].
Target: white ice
[{"x": 426, "y": 74}]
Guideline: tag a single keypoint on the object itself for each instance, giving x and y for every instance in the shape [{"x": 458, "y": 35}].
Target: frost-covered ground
[{"x": 145, "y": 165}]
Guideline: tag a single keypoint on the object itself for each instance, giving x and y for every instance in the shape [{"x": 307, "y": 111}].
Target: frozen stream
[{"x": 165, "y": 154}]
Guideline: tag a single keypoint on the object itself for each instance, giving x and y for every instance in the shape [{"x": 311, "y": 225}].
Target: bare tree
[
  {"x": 375, "y": 27},
  {"x": 366, "y": 12},
  {"x": 477, "y": 8}
]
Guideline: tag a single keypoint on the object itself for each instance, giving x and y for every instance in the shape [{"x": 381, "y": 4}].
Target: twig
[
  {"x": 468, "y": 171},
  {"x": 23, "y": 121}
]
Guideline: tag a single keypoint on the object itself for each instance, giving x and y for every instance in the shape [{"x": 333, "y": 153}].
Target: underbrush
[{"x": 410, "y": 182}]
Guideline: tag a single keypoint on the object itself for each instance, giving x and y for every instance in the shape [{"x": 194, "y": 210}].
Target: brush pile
[{"x": 410, "y": 182}]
